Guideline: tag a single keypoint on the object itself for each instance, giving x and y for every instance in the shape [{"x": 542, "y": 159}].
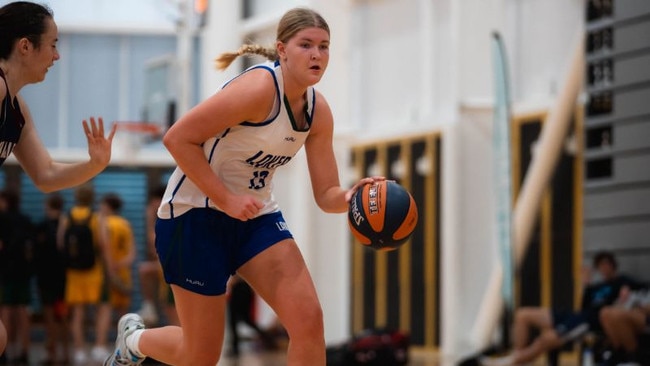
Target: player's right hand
[{"x": 242, "y": 207}]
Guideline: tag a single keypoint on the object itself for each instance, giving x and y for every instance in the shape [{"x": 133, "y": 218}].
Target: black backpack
[
  {"x": 78, "y": 244},
  {"x": 372, "y": 347}
]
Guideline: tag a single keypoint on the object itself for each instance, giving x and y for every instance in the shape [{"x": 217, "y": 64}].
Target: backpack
[
  {"x": 78, "y": 244},
  {"x": 371, "y": 347}
]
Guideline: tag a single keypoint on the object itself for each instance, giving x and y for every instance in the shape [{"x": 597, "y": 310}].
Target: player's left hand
[
  {"x": 99, "y": 146},
  {"x": 361, "y": 183}
]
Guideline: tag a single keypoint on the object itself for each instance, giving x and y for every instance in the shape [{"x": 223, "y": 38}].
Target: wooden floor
[
  {"x": 279, "y": 359},
  {"x": 251, "y": 357},
  {"x": 247, "y": 358},
  {"x": 417, "y": 358}
]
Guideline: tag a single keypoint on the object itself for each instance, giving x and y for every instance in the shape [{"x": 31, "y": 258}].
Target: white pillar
[
  {"x": 450, "y": 247},
  {"x": 184, "y": 56},
  {"x": 220, "y": 34},
  {"x": 427, "y": 60}
]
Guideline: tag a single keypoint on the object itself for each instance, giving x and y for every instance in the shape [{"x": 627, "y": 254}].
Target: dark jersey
[
  {"x": 11, "y": 123},
  {"x": 605, "y": 293},
  {"x": 48, "y": 256},
  {"x": 49, "y": 264},
  {"x": 16, "y": 246}
]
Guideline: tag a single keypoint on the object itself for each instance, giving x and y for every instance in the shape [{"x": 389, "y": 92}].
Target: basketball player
[
  {"x": 218, "y": 216},
  {"x": 28, "y": 37}
]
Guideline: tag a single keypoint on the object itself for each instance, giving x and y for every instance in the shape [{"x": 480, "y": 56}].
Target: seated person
[
  {"x": 556, "y": 327},
  {"x": 623, "y": 322}
]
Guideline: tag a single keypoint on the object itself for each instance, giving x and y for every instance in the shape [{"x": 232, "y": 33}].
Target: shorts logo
[
  {"x": 195, "y": 282},
  {"x": 282, "y": 226}
]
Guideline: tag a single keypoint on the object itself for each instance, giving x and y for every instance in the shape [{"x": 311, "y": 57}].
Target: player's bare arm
[
  {"x": 49, "y": 175},
  {"x": 223, "y": 110}
]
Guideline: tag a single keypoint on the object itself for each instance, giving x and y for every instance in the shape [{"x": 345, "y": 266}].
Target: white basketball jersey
[{"x": 245, "y": 156}]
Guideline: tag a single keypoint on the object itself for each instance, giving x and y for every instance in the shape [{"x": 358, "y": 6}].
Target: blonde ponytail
[{"x": 225, "y": 59}]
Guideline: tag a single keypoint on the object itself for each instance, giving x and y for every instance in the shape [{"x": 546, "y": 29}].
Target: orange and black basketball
[{"x": 382, "y": 215}]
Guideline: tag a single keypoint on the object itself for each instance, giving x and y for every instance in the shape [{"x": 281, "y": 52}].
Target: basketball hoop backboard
[
  {"x": 159, "y": 92},
  {"x": 132, "y": 135}
]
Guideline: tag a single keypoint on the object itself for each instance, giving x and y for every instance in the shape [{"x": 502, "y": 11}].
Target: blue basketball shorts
[{"x": 200, "y": 249}]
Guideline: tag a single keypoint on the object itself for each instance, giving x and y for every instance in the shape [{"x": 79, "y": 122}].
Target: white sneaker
[
  {"x": 80, "y": 357},
  {"x": 99, "y": 354},
  {"x": 148, "y": 313},
  {"x": 122, "y": 356}
]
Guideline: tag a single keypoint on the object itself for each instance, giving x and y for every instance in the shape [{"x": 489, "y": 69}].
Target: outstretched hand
[
  {"x": 362, "y": 182},
  {"x": 99, "y": 146}
]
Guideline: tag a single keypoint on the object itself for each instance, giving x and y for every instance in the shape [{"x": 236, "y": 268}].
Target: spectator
[
  {"x": 50, "y": 279},
  {"x": 155, "y": 292},
  {"x": 118, "y": 248},
  {"x": 623, "y": 322},
  {"x": 17, "y": 266},
  {"x": 83, "y": 286},
  {"x": 557, "y": 326}
]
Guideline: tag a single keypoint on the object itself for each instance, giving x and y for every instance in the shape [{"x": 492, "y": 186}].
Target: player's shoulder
[
  {"x": 319, "y": 98},
  {"x": 254, "y": 83},
  {"x": 321, "y": 106},
  {"x": 255, "y": 75}
]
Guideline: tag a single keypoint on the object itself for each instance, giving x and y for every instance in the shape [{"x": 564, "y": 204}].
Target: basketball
[{"x": 382, "y": 215}]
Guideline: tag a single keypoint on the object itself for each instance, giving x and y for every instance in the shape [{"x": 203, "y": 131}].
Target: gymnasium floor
[
  {"x": 252, "y": 356},
  {"x": 248, "y": 358},
  {"x": 256, "y": 358}
]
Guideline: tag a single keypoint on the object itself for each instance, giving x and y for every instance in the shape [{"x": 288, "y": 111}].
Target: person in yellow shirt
[
  {"x": 118, "y": 247},
  {"x": 83, "y": 285}
]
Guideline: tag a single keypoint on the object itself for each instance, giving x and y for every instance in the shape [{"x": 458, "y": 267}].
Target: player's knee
[
  {"x": 308, "y": 322},
  {"x": 314, "y": 315}
]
